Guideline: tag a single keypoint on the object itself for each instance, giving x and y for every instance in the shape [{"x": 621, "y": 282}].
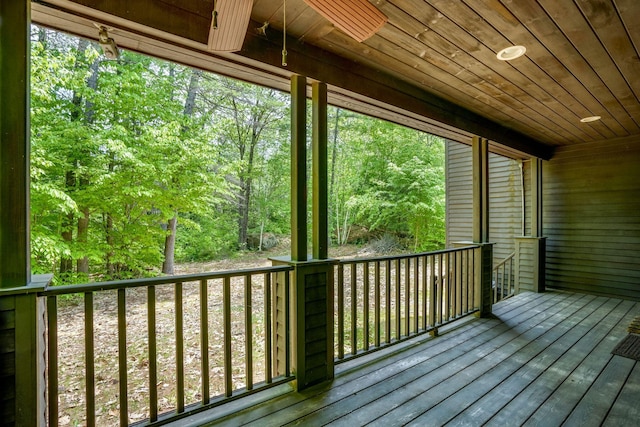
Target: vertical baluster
[
  {"x": 416, "y": 293},
  {"x": 407, "y": 296},
  {"x": 464, "y": 260},
  {"x": 508, "y": 277},
  {"x": 495, "y": 283},
  {"x": 340, "y": 311},
  {"x": 376, "y": 307},
  {"x": 462, "y": 291},
  {"x": 445, "y": 287},
  {"x": 464, "y": 281},
  {"x": 432, "y": 291},
  {"x": 204, "y": 341},
  {"x": 503, "y": 280},
  {"x": 268, "y": 348},
  {"x": 52, "y": 338},
  {"x": 473, "y": 275},
  {"x": 458, "y": 284},
  {"x": 472, "y": 278},
  {"x": 511, "y": 278},
  {"x": 365, "y": 297},
  {"x": 153, "y": 358},
  {"x": 90, "y": 385},
  {"x": 387, "y": 282},
  {"x": 451, "y": 283},
  {"x": 122, "y": 357},
  {"x": 501, "y": 287},
  {"x": 470, "y": 275},
  {"x": 440, "y": 287},
  {"x": 248, "y": 332},
  {"x": 354, "y": 309},
  {"x": 226, "y": 303},
  {"x": 287, "y": 322},
  {"x": 425, "y": 291},
  {"x": 398, "y": 299},
  {"x": 179, "y": 347}
]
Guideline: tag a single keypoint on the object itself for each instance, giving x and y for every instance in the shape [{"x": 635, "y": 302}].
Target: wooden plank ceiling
[{"x": 582, "y": 60}]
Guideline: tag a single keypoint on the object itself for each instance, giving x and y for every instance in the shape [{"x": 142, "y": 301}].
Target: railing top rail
[
  {"x": 405, "y": 256},
  {"x": 151, "y": 281},
  {"x": 501, "y": 263}
]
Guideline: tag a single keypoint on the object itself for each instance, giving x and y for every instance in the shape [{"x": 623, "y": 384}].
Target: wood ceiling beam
[
  {"x": 160, "y": 14},
  {"x": 321, "y": 65}
]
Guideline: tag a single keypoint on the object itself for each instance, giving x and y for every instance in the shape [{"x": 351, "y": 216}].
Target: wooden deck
[{"x": 544, "y": 360}]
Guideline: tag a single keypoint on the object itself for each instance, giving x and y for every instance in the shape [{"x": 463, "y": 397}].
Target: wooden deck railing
[
  {"x": 383, "y": 301},
  {"x": 503, "y": 279},
  {"x": 220, "y": 324}
]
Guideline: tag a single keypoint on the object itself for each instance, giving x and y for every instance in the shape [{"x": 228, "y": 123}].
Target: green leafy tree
[
  {"x": 251, "y": 131},
  {"x": 388, "y": 178}
]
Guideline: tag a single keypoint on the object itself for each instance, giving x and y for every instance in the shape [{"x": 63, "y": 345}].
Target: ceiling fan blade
[
  {"x": 232, "y": 19},
  {"x": 358, "y": 18}
]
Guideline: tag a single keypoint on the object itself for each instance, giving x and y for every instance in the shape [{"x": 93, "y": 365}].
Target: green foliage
[
  {"x": 389, "y": 178},
  {"x": 120, "y": 148},
  {"x": 203, "y": 238}
]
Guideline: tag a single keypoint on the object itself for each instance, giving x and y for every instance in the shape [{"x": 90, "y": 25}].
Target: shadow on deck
[{"x": 545, "y": 359}]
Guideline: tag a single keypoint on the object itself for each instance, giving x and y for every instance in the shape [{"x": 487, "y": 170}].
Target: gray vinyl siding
[
  {"x": 505, "y": 204},
  {"x": 459, "y": 193},
  {"x": 505, "y": 199},
  {"x": 527, "y": 197},
  {"x": 591, "y": 208}
]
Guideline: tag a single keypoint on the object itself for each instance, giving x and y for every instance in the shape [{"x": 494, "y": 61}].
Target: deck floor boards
[{"x": 545, "y": 359}]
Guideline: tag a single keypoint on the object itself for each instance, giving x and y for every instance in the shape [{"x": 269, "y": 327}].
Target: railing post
[
  {"x": 531, "y": 250},
  {"x": 483, "y": 278},
  {"x": 311, "y": 323},
  {"x": 311, "y": 306},
  {"x": 22, "y": 355},
  {"x": 530, "y": 264},
  {"x": 298, "y": 168}
]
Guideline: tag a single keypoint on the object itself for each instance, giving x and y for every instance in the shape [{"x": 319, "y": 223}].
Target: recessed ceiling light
[
  {"x": 511, "y": 52},
  {"x": 590, "y": 119}
]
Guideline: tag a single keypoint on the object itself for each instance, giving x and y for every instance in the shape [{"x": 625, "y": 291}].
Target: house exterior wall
[
  {"x": 505, "y": 199},
  {"x": 459, "y": 193},
  {"x": 591, "y": 211}
]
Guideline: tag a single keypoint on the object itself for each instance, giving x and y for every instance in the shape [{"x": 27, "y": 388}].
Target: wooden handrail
[
  {"x": 504, "y": 261},
  {"x": 404, "y": 256},
  {"x": 152, "y": 281}
]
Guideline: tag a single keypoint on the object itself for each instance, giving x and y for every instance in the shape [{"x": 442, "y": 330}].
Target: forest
[{"x": 138, "y": 164}]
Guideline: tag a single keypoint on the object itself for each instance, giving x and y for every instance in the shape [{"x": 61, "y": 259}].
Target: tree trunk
[
  {"x": 82, "y": 263},
  {"x": 243, "y": 213},
  {"x": 333, "y": 174},
  {"x": 109, "y": 234},
  {"x": 66, "y": 263},
  {"x": 192, "y": 93},
  {"x": 170, "y": 246},
  {"x": 261, "y": 236},
  {"x": 42, "y": 35},
  {"x": 170, "y": 240},
  {"x": 83, "y": 228},
  {"x": 92, "y": 83}
]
